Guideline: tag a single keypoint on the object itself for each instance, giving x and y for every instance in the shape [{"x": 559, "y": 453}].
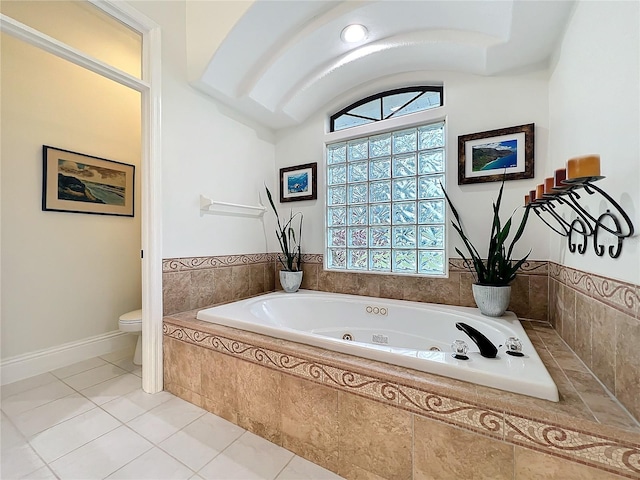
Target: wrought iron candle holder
[{"x": 568, "y": 193}]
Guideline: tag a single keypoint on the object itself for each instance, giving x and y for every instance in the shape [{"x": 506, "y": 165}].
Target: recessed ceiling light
[{"x": 353, "y": 33}]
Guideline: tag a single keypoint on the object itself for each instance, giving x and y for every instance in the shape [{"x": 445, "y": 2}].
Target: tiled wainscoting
[
  {"x": 529, "y": 293},
  {"x": 599, "y": 318},
  {"x": 365, "y": 419},
  {"x": 196, "y": 282}
]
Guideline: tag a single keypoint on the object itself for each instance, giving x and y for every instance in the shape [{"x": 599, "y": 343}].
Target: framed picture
[
  {"x": 299, "y": 183},
  {"x": 78, "y": 183},
  {"x": 487, "y": 156}
]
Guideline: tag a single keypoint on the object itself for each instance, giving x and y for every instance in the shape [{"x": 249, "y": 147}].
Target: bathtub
[{"x": 408, "y": 334}]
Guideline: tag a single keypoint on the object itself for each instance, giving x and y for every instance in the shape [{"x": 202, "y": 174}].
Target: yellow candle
[
  {"x": 527, "y": 199},
  {"x": 548, "y": 185},
  {"x": 540, "y": 191},
  {"x": 560, "y": 175},
  {"x": 584, "y": 166}
]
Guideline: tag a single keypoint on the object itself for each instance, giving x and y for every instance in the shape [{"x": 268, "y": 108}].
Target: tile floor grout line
[
  {"x": 79, "y": 446},
  {"x": 286, "y": 465},
  {"x": 195, "y": 472},
  {"x": 77, "y": 373},
  {"x": 27, "y": 443},
  {"x": 62, "y": 421},
  {"x": 133, "y": 459},
  {"x": 29, "y": 389},
  {"x": 95, "y": 384},
  {"x": 175, "y": 433},
  {"x": 221, "y": 451},
  {"x": 123, "y": 396}
]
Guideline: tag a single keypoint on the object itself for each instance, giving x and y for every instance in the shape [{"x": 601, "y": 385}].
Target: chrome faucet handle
[
  {"x": 514, "y": 347},
  {"x": 460, "y": 349}
]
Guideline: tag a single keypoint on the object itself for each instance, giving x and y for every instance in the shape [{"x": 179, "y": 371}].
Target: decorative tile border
[
  {"x": 313, "y": 258},
  {"x": 199, "y": 263},
  {"x": 532, "y": 267},
  {"x": 565, "y": 442},
  {"x": 605, "y": 453},
  {"x": 622, "y": 296}
]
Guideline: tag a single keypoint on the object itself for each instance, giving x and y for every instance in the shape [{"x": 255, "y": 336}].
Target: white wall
[
  {"x": 209, "y": 23},
  {"x": 594, "y": 107},
  {"x": 205, "y": 152},
  {"x": 473, "y": 104},
  {"x": 66, "y": 276}
]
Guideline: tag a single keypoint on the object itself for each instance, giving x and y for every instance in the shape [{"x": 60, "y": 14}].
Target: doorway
[{"x": 148, "y": 86}]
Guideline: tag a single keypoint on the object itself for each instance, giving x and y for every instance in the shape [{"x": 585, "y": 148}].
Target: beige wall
[
  {"x": 83, "y": 26},
  {"x": 66, "y": 276}
]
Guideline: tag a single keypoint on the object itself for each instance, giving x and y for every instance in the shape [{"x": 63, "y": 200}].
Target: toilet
[{"x": 132, "y": 322}]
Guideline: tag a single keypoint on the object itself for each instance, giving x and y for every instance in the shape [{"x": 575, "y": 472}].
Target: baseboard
[{"x": 41, "y": 361}]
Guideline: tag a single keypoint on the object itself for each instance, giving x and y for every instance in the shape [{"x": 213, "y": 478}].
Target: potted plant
[
  {"x": 493, "y": 275},
  {"x": 291, "y": 273}
]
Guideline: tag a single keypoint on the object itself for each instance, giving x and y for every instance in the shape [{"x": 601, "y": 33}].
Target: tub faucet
[{"x": 487, "y": 349}]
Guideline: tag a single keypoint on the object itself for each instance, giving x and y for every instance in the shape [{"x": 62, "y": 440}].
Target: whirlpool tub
[{"x": 409, "y": 334}]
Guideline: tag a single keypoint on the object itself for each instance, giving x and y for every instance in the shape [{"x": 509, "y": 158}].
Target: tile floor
[{"x": 91, "y": 420}]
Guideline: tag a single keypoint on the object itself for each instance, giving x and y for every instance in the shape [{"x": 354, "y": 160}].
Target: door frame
[{"x": 149, "y": 87}]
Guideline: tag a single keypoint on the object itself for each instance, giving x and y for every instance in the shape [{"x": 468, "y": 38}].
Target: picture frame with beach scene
[
  {"x": 299, "y": 183},
  {"x": 496, "y": 154},
  {"x": 78, "y": 183}
]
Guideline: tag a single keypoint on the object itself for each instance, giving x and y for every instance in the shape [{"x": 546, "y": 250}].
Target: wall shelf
[
  {"x": 584, "y": 225},
  {"x": 226, "y": 208}
]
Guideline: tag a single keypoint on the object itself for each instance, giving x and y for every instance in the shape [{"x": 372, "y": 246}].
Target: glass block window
[
  {"x": 394, "y": 103},
  {"x": 385, "y": 207}
]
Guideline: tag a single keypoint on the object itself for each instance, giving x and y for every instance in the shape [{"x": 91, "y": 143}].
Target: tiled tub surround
[
  {"x": 196, "y": 282},
  {"x": 365, "y": 419},
  {"x": 529, "y": 291},
  {"x": 600, "y": 320}
]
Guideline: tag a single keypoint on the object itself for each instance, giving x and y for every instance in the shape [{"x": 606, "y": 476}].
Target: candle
[
  {"x": 559, "y": 176},
  {"x": 527, "y": 199},
  {"x": 532, "y": 195},
  {"x": 540, "y": 191},
  {"x": 548, "y": 185},
  {"x": 584, "y": 166}
]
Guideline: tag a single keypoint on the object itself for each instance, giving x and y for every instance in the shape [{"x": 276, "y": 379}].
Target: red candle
[
  {"x": 584, "y": 166},
  {"x": 559, "y": 176},
  {"x": 548, "y": 185},
  {"x": 527, "y": 199},
  {"x": 540, "y": 191},
  {"x": 532, "y": 195}
]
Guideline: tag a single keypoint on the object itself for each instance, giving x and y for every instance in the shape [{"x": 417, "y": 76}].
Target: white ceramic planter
[
  {"x": 290, "y": 281},
  {"x": 492, "y": 301}
]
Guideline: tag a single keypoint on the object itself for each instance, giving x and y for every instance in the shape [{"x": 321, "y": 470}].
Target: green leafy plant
[
  {"x": 498, "y": 269},
  {"x": 286, "y": 234}
]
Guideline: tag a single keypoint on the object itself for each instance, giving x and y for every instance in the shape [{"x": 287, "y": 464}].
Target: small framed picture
[
  {"x": 299, "y": 183},
  {"x": 78, "y": 183},
  {"x": 487, "y": 156}
]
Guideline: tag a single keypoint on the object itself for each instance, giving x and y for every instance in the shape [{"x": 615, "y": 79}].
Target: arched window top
[{"x": 392, "y": 103}]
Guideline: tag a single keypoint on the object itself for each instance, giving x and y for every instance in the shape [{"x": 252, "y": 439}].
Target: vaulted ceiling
[{"x": 284, "y": 60}]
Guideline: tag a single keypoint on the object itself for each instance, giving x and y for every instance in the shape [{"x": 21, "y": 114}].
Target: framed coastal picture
[
  {"x": 299, "y": 183},
  {"x": 487, "y": 156},
  {"x": 79, "y": 183}
]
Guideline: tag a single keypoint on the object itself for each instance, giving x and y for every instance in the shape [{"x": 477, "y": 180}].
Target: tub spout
[{"x": 487, "y": 349}]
